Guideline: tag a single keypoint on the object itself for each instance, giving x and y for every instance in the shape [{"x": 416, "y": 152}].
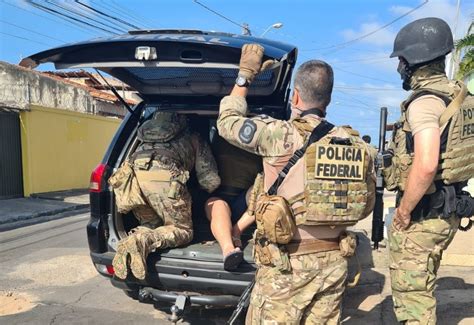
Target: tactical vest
[
  {"x": 456, "y": 144},
  {"x": 339, "y": 180},
  {"x": 237, "y": 167},
  {"x": 165, "y": 142}
]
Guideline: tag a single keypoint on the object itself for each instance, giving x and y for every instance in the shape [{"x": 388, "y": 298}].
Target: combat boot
[
  {"x": 120, "y": 262},
  {"x": 135, "y": 247}
]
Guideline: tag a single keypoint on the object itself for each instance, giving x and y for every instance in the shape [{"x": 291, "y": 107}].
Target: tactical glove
[{"x": 251, "y": 61}]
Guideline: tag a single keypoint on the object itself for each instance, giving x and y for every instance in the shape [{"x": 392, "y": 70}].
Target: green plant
[{"x": 466, "y": 66}]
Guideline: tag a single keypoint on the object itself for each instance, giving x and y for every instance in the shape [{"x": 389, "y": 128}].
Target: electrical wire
[
  {"x": 347, "y": 43},
  {"x": 128, "y": 12},
  {"x": 84, "y": 29},
  {"x": 220, "y": 15},
  {"x": 75, "y": 12},
  {"x": 24, "y": 38},
  {"x": 365, "y": 88},
  {"x": 117, "y": 13},
  {"x": 360, "y": 75},
  {"x": 106, "y": 15},
  {"x": 32, "y": 31},
  {"x": 66, "y": 17}
]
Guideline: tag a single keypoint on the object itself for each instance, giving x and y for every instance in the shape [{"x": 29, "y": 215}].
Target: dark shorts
[{"x": 237, "y": 204}]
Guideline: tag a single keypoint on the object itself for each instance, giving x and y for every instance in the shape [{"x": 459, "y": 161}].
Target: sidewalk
[
  {"x": 41, "y": 207},
  {"x": 370, "y": 302}
]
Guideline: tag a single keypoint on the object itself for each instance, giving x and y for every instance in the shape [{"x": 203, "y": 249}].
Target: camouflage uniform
[
  {"x": 310, "y": 294},
  {"x": 312, "y": 291},
  {"x": 415, "y": 253},
  {"x": 162, "y": 164}
]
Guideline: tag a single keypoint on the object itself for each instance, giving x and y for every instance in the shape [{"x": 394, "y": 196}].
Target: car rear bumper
[{"x": 203, "y": 283}]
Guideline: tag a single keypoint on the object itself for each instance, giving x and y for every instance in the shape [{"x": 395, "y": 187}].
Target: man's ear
[{"x": 295, "y": 100}]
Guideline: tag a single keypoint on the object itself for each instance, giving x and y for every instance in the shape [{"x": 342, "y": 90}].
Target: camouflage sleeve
[
  {"x": 205, "y": 165},
  {"x": 262, "y": 135}
]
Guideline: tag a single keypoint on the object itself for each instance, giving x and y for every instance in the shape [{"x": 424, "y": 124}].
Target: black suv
[{"x": 189, "y": 72}]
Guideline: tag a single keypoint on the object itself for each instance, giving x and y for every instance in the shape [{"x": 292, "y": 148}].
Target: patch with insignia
[{"x": 247, "y": 131}]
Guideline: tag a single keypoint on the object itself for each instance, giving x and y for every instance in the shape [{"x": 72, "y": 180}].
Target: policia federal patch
[
  {"x": 467, "y": 125},
  {"x": 339, "y": 162},
  {"x": 247, "y": 131}
]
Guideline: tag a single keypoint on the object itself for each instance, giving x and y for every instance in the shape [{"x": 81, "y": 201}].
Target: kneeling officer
[{"x": 161, "y": 167}]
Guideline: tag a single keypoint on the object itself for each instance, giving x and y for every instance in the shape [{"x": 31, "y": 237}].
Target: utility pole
[{"x": 454, "y": 58}]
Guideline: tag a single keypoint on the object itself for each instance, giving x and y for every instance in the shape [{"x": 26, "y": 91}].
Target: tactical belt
[
  {"x": 307, "y": 246},
  {"x": 440, "y": 204}
]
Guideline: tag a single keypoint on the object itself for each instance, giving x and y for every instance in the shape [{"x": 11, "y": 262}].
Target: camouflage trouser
[
  {"x": 415, "y": 256},
  {"x": 177, "y": 228},
  {"x": 172, "y": 202},
  {"x": 310, "y": 294}
]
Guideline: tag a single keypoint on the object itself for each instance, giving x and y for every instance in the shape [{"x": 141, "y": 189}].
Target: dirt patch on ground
[
  {"x": 62, "y": 271},
  {"x": 14, "y": 303}
]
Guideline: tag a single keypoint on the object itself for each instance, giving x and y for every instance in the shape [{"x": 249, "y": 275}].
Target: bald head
[{"x": 314, "y": 81}]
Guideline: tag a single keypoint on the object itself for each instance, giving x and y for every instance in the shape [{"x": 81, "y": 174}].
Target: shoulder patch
[{"x": 247, "y": 131}]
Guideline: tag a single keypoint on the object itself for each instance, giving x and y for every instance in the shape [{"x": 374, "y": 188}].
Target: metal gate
[{"x": 11, "y": 180}]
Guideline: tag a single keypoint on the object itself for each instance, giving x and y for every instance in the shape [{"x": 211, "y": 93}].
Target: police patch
[
  {"x": 339, "y": 162},
  {"x": 247, "y": 131},
  {"x": 467, "y": 124}
]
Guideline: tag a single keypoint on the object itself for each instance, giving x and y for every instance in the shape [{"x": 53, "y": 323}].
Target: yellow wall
[{"x": 60, "y": 148}]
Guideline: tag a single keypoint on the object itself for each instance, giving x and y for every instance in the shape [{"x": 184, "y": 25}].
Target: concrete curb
[{"x": 34, "y": 218}]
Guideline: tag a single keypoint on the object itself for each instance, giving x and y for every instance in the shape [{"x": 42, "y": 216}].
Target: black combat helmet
[{"x": 423, "y": 40}]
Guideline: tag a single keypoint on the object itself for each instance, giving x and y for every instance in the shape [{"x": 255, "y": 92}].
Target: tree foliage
[{"x": 466, "y": 66}]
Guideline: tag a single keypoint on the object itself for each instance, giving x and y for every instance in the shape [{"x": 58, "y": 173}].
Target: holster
[
  {"x": 447, "y": 201},
  {"x": 270, "y": 254}
]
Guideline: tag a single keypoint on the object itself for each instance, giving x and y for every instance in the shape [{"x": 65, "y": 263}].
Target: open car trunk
[
  {"x": 179, "y": 66},
  {"x": 197, "y": 266},
  {"x": 189, "y": 72}
]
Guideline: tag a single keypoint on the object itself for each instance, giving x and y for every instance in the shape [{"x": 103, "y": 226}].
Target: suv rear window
[{"x": 180, "y": 77}]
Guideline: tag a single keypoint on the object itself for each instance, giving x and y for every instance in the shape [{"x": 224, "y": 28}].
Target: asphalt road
[{"x": 48, "y": 278}]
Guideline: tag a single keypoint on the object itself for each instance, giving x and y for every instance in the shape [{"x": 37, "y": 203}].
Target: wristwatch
[{"x": 241, "y": 81}]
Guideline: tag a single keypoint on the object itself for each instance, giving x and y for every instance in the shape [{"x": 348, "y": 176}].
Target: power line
[
  {"x": 220, "y": 15},
  {"x": 106, "y": 15},
  {"x": 373, "y": 59},
  {"x": 347, "y": 43},
  {"x": 360, "y": 75},
  {"x": 355, "y": 99},
  {"x": 112, "y": 9},
  {"x": 24, "y": 38},
  {"x": 32, "y": 31},
  {"x": 84, "y": 29},
  {"x": 128, "y": 13},
  {"x": 75, "y": 12},
  {"x": 366, "y": 88},
  {"x": 66, "y": 17}
]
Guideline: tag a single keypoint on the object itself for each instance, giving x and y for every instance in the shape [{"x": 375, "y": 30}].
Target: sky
[{"x": 334, "y": 31}]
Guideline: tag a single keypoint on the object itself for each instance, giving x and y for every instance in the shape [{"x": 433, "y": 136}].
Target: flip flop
[{"x": 233, "y": 259}]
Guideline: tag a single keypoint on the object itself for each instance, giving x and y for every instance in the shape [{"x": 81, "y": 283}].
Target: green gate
[{"x": 11, "y": 181}]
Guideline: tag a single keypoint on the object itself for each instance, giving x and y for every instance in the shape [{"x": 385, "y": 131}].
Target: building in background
[{"x": 54, "y": 129}]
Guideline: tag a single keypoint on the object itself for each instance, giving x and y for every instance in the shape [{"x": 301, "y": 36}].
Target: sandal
[{"x": 233, "y": 259}]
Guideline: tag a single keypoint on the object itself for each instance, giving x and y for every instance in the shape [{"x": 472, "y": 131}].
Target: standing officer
[
  {"x": 303, "y": 281},
  {"x": 424, "y": 223}
]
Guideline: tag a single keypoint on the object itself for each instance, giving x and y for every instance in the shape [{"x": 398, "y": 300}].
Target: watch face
[{"x": 241, "y": 81}]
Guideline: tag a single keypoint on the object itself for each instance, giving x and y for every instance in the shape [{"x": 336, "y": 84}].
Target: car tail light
[
  {"x": 104, "y": 269},
  {"x": 96, "y": 178}
]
